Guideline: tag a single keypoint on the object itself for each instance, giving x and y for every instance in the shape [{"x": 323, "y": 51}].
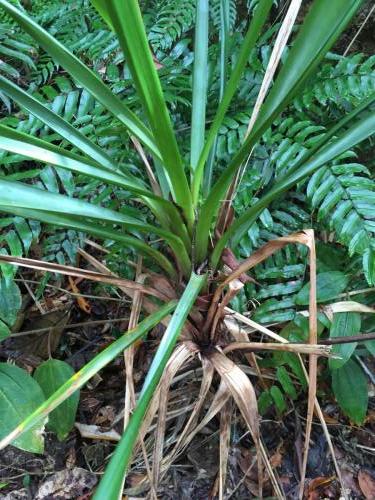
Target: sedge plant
[{"x": 186, "y": 197}]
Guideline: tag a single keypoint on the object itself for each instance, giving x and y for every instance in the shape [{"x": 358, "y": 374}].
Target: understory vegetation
[{"x": 212, "y": 162}]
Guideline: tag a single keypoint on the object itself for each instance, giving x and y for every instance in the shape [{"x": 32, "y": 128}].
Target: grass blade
[
  {"x": 15, "y": 195},
  {"x": 223, "y": 63},
  {"x": 347, "y": 139},
  {"x": 89, "y": 370},
  {"x": 26, "y": 145},
  {"x": 56, "y": 123},
  {"x": 251, "y": 37},
  {"x": 200, "y": 80},
  {"x": 111, "y": 484},
  {"x": 81, "y": 73},
  {"x": 38, "y": 149},
  {"x": 320, "y": 30},
  {"x": 126, "y": 20}
]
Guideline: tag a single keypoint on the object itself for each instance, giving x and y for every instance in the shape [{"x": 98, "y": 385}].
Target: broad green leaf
[
  {"x": 278, "y": 398},
  {"x": 20, "y": 395},
  {"x": 10, "y": 301},
  {"x": 286, "y": 382},
  {"x": 51, "y": 375},
  {"x": 370, "y": 346},
  {"x": 82, "y": 74},
  {"x": 328, "y": 286},
  {"x": 349, "y": 385},
  {"x": 369, "y": 266},
  {"x": 40, "y": 410},
  {"x": 112, "y": 483},
  {"x": 344, "y": 325},
  {"x": 4, "y": 331},
  {"x": 264, "y": 402}
]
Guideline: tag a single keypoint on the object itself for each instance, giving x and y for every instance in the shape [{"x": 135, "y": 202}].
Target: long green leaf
[
  {"x": 200, "y": 80},
  {"x": 344, "y": 324},
  {"x": 111, "y": 484},
  {"x": 252, "y": 35},
  {"x": 89, "y": 370},
  {"x": 17, "y": 195},
  {"x": 101, "y": 231},
  {"x": 38, "y": 149},
  {"x": 223, "y": 64},
  {"x": 126, "y": 20},
  {"x": 81, "y": 73},
  {"x": 56, "y": 123},
  {"x": 347, "y": 139},
  {"x": 320, "y": 29}
]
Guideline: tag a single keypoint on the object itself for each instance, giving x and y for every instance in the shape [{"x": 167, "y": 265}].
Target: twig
[
  {"x": 362, "y": 337},
  {"x": 72, "y": 294},
  {"x": 359, "y": 31},
  {"x": 79, "y": 273},
  {"x": 70, "y": 325},
  {"x": 366, "y": 369}
]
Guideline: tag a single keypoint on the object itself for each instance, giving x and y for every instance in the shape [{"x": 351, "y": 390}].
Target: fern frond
[
  {"x": 215, "y": 7},
  {"x": 339, "y": 85},
  {"x": 171, "y": 21},
  {"x": 343, "y": 194}
]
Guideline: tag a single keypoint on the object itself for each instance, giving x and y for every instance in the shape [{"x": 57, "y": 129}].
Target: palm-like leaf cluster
[{"x": 88, "y": 131}]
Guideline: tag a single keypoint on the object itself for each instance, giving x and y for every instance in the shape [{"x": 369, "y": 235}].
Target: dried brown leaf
[
  {"x": 367, "y": 484},
  {"x": 79, "y": 273},
  {"x": 180, "y": 356}
]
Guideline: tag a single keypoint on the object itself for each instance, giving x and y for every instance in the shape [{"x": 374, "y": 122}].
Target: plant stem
[
  {"x": 362, "y": 337},
  {"x": 111, "y": 484}
]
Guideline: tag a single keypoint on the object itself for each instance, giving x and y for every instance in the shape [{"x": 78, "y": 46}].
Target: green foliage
[
  {"x": 340, "y": 83},
  {"x": 349, "y": 385},
  {"x": 20, "y": 394},
  {"x": 344, "y": 325},
  {"x": 51, "y": 375},
  {"x": 329, "y": 285},
  {"x": 121, "y": 85},
  {"x": 169, "y": 21}
]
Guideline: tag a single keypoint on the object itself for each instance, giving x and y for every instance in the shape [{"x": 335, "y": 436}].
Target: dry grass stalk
[
  {"x": 279, "y": 46},
  {"x": 151, "y": 176},
  {"x": 224, "y": 446},
  {"x": 80, "y": 273},
  {"x": 244, "y": 395},
  {"x": 180, "y": 356},
  {"x": 240, "y": 335},
  {"x": 316, "y": 349}
]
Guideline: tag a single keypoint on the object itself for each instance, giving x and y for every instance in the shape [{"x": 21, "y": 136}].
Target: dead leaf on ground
[
  {"x": 367, "y": 484},
  {"x": 316, "y": 484},
  {"x": 66, "y": 484},
  {"x": 276, "y": 459},
  {"x": 83, "y": 304},
  {"x": 95, "y": 432},
  {"x": 44, "y": 343}
]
